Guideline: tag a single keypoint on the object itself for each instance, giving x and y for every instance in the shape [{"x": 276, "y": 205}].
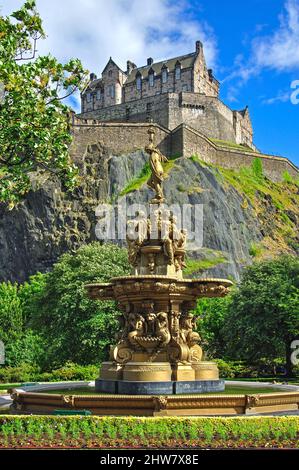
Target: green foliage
[
  {"x": 70, "y": 371},
  {"x": 30, "y": 373},
  {"x": 11, "y": 318},
  {"x": 257, "y": 168},
  {"x": 263, "y": 316},
  {"x": 198, "y": 265},
  {"x": 22, "y": 344},
  {"x": 49, "y": 320},
  {"x": 138, "y": 182},
  {"x": 286, "y": 177},
  {"x": 73, "y": 327},
  {"x": 212, "y": 314},
  {"x": 23, "y": 373},
  {"x": 95, "y": 431},
  {"x": 34, "y": 122},
  {"x": 28, "y": 348},
  {"x": 29, "y": 294},
  {"x": 255, "y": 250}
]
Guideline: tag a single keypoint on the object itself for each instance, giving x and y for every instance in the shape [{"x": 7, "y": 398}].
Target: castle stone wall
[
  {"x": 191, "y": 142},
  {"x": 117, "y": 138},
  {"x": 205, "y": 113},
  {"x": 183, "y": 141}
]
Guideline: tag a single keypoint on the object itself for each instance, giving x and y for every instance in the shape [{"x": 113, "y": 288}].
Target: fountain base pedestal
[
  {"x": 139, "y": 378},
  {"x": 129, "y": 387}
]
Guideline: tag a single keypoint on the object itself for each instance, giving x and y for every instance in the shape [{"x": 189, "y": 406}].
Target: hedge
[
  {"x": 29, "y": 373},
  {"x": 160, "y": 432},
  {"x": 239, "y": 369}
]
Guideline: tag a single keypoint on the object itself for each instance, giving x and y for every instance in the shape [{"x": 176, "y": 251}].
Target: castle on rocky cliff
[
  {"x": 180, "y": 98},
  {"x": 169, "y": 93}
]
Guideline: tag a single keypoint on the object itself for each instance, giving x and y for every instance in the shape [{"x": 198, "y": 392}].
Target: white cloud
[
  {"x": 281, "y": 97},
  {"x": 280, "y": 50},
  {"x": 94, "y": 30}
]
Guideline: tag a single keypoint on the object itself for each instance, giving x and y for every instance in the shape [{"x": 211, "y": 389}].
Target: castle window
[
  {"x": 138, "y": 82},
  {"x": 110, "y": 73},
  {"x": 99, "y": 95},
  {"x": 151, "y": 79},
  {"x": 164, "y": 76},
  {"x": 178, "y": 72},
  {"x": 88, "y": 97},
  {"x": 111, "y": 91}
]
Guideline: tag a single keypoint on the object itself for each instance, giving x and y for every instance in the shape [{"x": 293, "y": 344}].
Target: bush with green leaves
[
  {"x": 31, "y": 373},
  {"x": 212, "y": 313},
  {"x": 263, "y": 317},
  {"x": 23, "y": 373},
  {"x": 73, "y": 327},
  {"x": 22, "y": 344}
]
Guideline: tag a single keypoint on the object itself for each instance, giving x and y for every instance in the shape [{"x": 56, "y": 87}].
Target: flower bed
[{"x": 164, "y": 432}]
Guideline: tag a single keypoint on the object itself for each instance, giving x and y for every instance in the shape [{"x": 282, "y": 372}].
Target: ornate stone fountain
[{"x": 158, "y": 350}]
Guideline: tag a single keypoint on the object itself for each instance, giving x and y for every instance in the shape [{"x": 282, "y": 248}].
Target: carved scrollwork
[
  {"x": 68, "y": 400},
  {"x": 161, "y": 287},
  {"x": 252, "y": 400},
  {"x": 160, "y": 403},
  {"x": 196, "y": 353},
  {"x": 122, "y": 353}
]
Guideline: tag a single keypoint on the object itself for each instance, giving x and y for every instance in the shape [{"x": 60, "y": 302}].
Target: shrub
[
  {"x": 71, "y": 371},
  {"x": 263, "y": 315},
  {"x": 21, "y": 343},
  {"x": 23, "y": 373},
  {"x": 75, "y": 328},
  {"x": 29, "y": 373}
]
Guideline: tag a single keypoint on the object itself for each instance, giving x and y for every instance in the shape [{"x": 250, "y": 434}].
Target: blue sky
[{"x": 253, "y": 48}]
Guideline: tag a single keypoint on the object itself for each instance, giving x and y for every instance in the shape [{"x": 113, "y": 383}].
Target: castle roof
[
  {"x": 95, "y": 84},
  {"x": 186, "y": 61}
]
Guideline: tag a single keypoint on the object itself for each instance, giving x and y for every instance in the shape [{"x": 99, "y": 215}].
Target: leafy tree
[
  {"x": 22, "y": 345},
  {"x": 212, "y": 315},
  {"x": 75, "y": 328},
  {"x": 34, "y": 123},
  {"x": 29, "y": 294},
  {"x": 11, "y": 318},
  {"x": 264, "y": 313},
  {"x": 25, "y": 349}
]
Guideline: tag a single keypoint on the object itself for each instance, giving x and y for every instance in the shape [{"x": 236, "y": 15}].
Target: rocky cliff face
[{"x": 51, "y": 221}]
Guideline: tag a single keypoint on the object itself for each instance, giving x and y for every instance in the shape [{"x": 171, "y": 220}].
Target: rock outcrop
[{"x": 51, "y": 221}]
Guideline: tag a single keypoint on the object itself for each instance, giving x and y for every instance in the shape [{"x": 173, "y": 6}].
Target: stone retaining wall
[{"x": 184, "y": 141}]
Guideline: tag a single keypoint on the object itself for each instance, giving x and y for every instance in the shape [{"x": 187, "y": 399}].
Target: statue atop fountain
[{"x": 156, "y": 159}]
